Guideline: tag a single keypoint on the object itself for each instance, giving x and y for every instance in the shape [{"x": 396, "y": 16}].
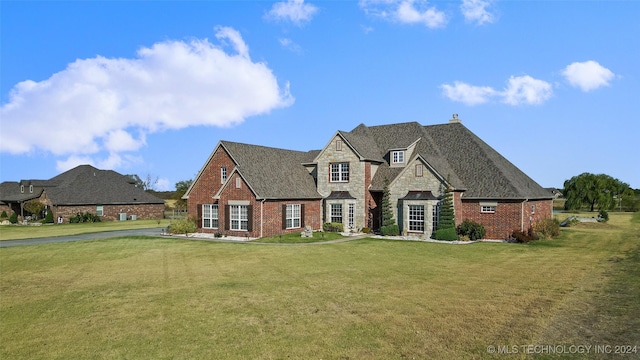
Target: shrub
[
  {"x": 333, "y": 227},
  {"x": 522, "y": 237},
  {"x": 365, "y": 230},
  {"x": 547, "y": 228},
  {"x": 4, "y": 215},
  {"x": 182, "y": 226},
  {"x": 48, "y": 219},
  {"x": 446, "y": 234},
  {"x": 390, "y": 230},
  {"x": 472, "y": 230},
  {"x": 603, "y": 216},
  {"x": 84, "y": 217},
  {"x": 13, "y": 218}
]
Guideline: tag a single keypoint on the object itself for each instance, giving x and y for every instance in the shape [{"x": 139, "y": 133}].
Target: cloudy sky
[{"x": 150, "y": 87}]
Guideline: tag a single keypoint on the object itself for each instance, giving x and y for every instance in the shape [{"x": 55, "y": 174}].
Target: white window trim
[
  {"x": 397, "y": 157},
  {"x": 331, "y": 213},
  {"x": 351, "y": 215},
  {"x": 294, "y": 213},
  {"x": 343, "y": 174},
  {"x": 237, "y": 217},
  {"x": 99, "y": 210},
  {"x": 223, "y": 174},
  {"x": 488, "y": 209},
  {"x": 210, "y": 212},
  {"x": 416, "y": 221}
]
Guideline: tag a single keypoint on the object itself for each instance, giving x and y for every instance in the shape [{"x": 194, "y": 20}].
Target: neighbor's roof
[
  {"x": 274, "y": 173},
  {"x": 87, "y": 185},
  {"x": 454, "y": 152}
]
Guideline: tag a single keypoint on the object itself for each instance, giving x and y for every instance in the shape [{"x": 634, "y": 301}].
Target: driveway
[{"x": 89, "y": 236}]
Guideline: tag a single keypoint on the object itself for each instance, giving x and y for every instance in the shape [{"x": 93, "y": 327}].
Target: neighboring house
[
  {"x": 105, "y": 193},
  {"x": 255, "y": 191},
  {"x": 557, "y": 193}
]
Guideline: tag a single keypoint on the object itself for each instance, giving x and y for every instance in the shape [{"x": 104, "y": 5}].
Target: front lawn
[
  {"x": 15, "y": 232},
  {"x": 295, "y": 238},
  {"x": 364, "y": 299}
]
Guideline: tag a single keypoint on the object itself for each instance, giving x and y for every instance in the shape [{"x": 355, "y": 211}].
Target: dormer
[{"x": 400, "y": 157}]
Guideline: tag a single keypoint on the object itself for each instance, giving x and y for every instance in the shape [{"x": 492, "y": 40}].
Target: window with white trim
[
  {"x": 488, "y": 209},
  {"x": 339, "y": 172},
  {"x": 31, "y": 189},
  {"x": 99, "y": 210},
  {"x": 416, "y": 218},
  {"x": 21, "y": 188},
  {"x": 293, "y": 216},
  {"x": 239, "y": 217},
  {"x": 533, "y": 209},
  {"x": 238, "y": 182},
  {"x": 223, "y": 174},
  {"x": 210, "y": 216},
  {"x": 351, "y": 215},
  {"x": 435, "y": 215},
  {"x": 397, "y": 157},
  {"x": 336, "y": 213}
]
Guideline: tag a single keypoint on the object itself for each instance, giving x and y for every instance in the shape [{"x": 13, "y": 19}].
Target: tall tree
[
  {"x": 447, "y": 217},
  {"x": 387, "y": 209},
  {"x": 593, "y": 190},
  {"x": 181, "y": 189}
]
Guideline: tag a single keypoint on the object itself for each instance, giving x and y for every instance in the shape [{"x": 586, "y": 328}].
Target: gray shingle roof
[
  {"x": 274, "y": 173},
  {"x": 456, "y": 154}
]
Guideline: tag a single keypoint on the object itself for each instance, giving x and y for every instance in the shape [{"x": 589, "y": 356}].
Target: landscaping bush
[
  {"x": 523, "y": 237},
  {"x": 84, "y": 218},
  {"x": 13, "y": 218},
  {"x": 182, "y": 226},
  {"x": 448, "y": 234},
  {"x": 390, "y": 230},
  {"x": 547, "y": 228},
  {"x": 472, "y": 230},
  {"x": 603, "y": 216},
  {"x": 365, "y": 230},
  {"x": 4, "y": 215},
  {"x": 333, "y": 227}
]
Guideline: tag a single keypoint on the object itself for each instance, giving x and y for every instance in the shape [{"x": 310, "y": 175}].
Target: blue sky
[{"x": 150, "y": 87}]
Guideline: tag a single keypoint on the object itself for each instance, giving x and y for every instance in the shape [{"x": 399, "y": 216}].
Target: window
[
  {"x": 338, "y": 145},
  {"x": 239, "y": 217},
  {"x": 336, "y": 213},
  {"x": 488, "y": 209},
  {"x": 435, "y": 214},
  {"x": 351, "y": 215},
  {"x": 31, "y": 189},
  {"x": 293, "y": 216},
  {"x": 210, "y": 216},
  {"x": 223, "y": 174},
  {"x": 238, "y": 182},
  {"x": 419, "y": 170},
  {"x": 416, "y": 218},
  {"x": 339, "y": 172},
  {"x": 22, "y": 188},
  {"x": 100, "y": 210},
  {"x": 397, "y": 157},
  {"x": 533, "y": 209}
]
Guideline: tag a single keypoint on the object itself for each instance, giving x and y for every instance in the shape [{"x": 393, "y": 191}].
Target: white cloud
[
  {"x": 588, "y": 75},
  {"x": 405, "y": 12},
  {"x": 295, "y": 11},
  {"x": 467, "y": 94},
  {"x": 101, "y": 106},
  {"x": 163, "y": 185},
  {"x": 476, "y": 11},
  {"x": 519, "y": 90},
  {"x": 290, "y": 45},
  {"x": 527, "y": 90}
]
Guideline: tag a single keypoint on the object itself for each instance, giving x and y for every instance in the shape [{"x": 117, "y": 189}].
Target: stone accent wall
[
  {"x": 357, "y": 185},
  {"x": 509, "y": 216}
]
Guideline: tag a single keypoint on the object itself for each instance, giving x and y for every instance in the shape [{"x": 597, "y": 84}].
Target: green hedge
[
  {"x": 333, "y": 227},
  {"x": 448, "y": 234},
  {"x": 390, "y": 230}
]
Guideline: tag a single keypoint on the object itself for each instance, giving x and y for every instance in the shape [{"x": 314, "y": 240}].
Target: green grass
[
  {"x": 295, "y": 238},
  {"x": 15, "y": 232},
  {"x": 364, "y": 299}
]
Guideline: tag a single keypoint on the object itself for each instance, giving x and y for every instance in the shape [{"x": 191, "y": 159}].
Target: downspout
[
  {"x": 522, "y": 215},
  {"x": 262, "y": 216}
]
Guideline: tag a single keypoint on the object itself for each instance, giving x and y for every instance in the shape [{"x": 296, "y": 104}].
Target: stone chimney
[{"x": 454, "y": 119}]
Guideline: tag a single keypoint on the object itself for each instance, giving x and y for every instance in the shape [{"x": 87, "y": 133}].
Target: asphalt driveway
[{"x": 81, "y": 237}]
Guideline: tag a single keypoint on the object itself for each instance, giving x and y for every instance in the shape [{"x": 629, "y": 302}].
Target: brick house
[
  {"x": 255, "y": 191},
  {"x": 105, "y": 193}
]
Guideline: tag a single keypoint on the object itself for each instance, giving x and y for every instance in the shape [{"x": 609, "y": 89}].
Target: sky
[{"x": 150, "y": 87}]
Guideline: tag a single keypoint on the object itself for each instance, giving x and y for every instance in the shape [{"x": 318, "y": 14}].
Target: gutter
[{"x": 262, "y": 217}]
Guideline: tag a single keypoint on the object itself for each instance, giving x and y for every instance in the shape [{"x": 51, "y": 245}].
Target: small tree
[
  {"x": 389, "y": 226},
  {"x": 13, "y": 218},
  {"x": 447, "y": 219},
  {"x": 48, "y": 219},
  {"x": 4, "y": 215},
  {"x": 34, "y": 206}
]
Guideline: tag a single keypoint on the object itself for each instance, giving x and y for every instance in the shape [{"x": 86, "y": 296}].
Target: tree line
[{"x": 599, "y": 191}]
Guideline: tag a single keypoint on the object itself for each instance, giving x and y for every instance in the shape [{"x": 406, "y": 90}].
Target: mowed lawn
[{"x": 150, "y": 298}]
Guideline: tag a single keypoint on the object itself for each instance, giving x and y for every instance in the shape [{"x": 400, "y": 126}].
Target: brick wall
[
  {"x": 111, "y": 212},
  {"x": 509, "y": 216}
]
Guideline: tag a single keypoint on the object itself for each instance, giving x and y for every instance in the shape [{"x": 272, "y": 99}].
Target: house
[
  {"x": 256, "y": 191},
  {"x": 105, "y": 193}
]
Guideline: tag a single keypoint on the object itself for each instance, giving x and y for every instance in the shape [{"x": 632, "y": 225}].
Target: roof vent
[{"x": 454, "y": 119}]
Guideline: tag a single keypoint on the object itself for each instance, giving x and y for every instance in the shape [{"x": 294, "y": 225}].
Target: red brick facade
[
  {"x": 111, "y": 212},
  {"x": 508, "y": 215},
  {"x": 265, "y": 216}
]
